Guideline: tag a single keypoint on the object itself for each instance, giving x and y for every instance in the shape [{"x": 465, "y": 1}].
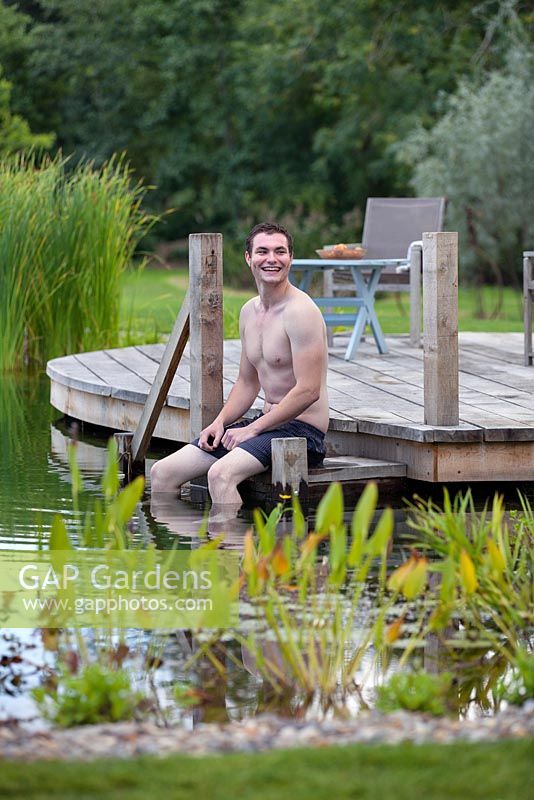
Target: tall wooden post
[
  {"x": 416, "y": 267},
  {"x": 206, "y": 328},
  {"x": 440, "y": 328}
]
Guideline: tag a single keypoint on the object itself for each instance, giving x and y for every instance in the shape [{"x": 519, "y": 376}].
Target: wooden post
[
  {"x": 328, "y": 291},
  {"x": 160, "y": 387},
  {"x": 124, "y": 450},
  {"x": 528, "y": 290},
  {"x": 290, "y": 468},
  {"x": 440, "y": 328},
  {"x": 416, "y": 269},
  {"x": 206, "y": 328}
]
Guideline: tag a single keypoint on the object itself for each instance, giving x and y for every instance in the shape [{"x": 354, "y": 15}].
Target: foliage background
[{"x": 237, "y": 111}]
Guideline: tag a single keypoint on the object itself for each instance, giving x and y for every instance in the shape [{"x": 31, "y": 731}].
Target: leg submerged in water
[
  {"x": 168, "y": 474},
  {"x": 228, "y": 472}
]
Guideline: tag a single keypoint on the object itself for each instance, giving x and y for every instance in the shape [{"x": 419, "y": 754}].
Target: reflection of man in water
[{"x": 284, "y": 353}]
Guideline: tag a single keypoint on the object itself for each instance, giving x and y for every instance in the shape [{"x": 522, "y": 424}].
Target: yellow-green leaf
[
  {"x": 59, "y": 537},
  {"x": 330, "y": 509},
  {"x": 416, "y": 580},
  {"x": 382, "y": 533},
  {"x": 249, "y": 555},
  {"x": 468, "y": 576},
  {"x": 398, "y": 576},
  {"x": 496, "y": 557},
  {"x": 127, "y": 500},
  {"x": 299, "y": 521},
  {"x": 361, "y": 520},
  {"x": 110, "y": 478}
]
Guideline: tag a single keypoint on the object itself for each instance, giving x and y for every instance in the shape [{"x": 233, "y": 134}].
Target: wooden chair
[{"x": 393, "y": 228}]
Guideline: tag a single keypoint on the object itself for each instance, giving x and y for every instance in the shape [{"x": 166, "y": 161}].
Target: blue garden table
[{"x": 366, "y": 275}]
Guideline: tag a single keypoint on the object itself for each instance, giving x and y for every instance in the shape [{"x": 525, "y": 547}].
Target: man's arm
[
  {"x": 306, "y": 333},
  {"x": 240, "y": 399}
]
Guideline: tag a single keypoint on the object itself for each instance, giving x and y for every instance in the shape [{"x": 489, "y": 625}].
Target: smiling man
[{"x": 284, "y": 353}]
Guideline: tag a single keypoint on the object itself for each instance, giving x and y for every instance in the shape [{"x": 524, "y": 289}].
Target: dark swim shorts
[{"x": 260, "y": 446}]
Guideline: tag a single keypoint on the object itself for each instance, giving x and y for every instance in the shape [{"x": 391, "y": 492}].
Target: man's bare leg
[
  {"x": 168, "y": 474},
  {"x": 225, "y": 475}
]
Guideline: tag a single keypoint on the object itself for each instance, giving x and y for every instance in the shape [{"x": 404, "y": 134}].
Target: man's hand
[
  {"x": 234, "y": 436},
  {"x": 211, "y": 436}
]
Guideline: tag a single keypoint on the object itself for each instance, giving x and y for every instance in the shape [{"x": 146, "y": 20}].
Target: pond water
[{"x": 35, "y": 485}]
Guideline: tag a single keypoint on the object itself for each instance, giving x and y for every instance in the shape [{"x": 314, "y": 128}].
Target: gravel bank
[{"x": 128, "y": 740}]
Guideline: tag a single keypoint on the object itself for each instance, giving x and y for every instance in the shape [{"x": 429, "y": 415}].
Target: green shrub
[
  {"x": 96, "y": 694},
  {"x": 415, "y": 691}
]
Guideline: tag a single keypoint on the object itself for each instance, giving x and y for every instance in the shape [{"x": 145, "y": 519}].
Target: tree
[
  {"x": 480, "y": 154},
  {"x": 239, "y": 110},
  {"x": 15, "y": 133}
]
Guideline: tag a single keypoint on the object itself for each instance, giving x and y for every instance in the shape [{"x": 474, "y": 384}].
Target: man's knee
[
  {"x": 219, "y": 477},
  {"x": 161, "y": 478}
]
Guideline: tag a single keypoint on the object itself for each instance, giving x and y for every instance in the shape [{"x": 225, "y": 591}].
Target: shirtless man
[{"x": 284, "y": 352}]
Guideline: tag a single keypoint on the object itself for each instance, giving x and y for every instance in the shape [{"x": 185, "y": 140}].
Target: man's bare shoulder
[
  {"x": 302, "y": 316},
  {"x": 302, "y": 304},
  {"x": 247, "y": 309}
]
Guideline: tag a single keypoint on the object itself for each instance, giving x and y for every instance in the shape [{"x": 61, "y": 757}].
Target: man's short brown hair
[{"x": 269, "y": 228}]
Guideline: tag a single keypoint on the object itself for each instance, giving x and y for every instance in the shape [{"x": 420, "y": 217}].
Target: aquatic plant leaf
[
  {"x": 249, "y": 554},
  {"x": 382, "y": 533},
  {"x": 448, "y": 580},
  {"x": 361, "y": 520},
  {"x": 262, "y": 569},
  {"x": 497, "y": 515},
  {"x": 496, "y": 557},
  {"x": 311, "y": 542},
  {"x": 59, "y": 536},
  {"x": 468, "y": 576},
  {"x": 416, "y": 579},
  {"x": 76, "y": 478},
  {"x": 128, "y": 499},
  {"x": 266, "y": 529},
  {"x": 110, "y": 478},
  {"x": 99, "y": 524},
  {"x": 398, "y": 577},
  {"x": 212, "y": 544},
  {"x": 330, "y": 509},
  {"x": 299, "y": 521},
  {"x": 440, "y": 617},
  {"x": 338, "y": 548},
  {"x": 393, "y": 631},
  {"x": 279, "y": 561}
]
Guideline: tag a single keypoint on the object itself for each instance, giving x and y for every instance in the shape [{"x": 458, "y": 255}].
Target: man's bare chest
[{"x": 267, "y": 344}]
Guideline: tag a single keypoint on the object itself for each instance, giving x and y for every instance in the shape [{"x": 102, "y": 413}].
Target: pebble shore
[{"x": 130, "y": 739}]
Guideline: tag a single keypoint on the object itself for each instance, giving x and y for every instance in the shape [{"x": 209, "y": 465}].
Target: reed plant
[
  {"x": 484, "y": 563},
  {"x": 311, "y": 630},
  {"x": 66, "y": 236},
  {"x": 323, "y": 611}
]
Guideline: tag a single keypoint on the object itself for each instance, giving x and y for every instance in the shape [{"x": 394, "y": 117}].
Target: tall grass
[{"x": 66, "y": 235}]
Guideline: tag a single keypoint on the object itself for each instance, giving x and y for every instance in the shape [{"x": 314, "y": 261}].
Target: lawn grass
[
  {"x": 151, "y": 300},
  {"x": 500, "y": 771}
]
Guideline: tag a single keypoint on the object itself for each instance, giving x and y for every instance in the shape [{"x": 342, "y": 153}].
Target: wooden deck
[{"x": 376, "y": 403}]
